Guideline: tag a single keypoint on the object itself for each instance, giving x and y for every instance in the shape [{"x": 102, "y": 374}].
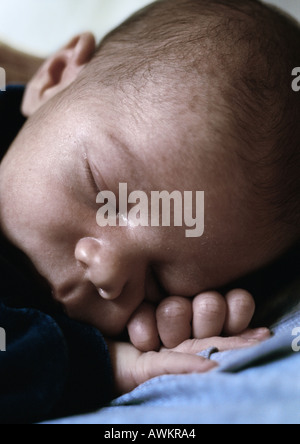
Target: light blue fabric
[{"x": 260, "y": 385}]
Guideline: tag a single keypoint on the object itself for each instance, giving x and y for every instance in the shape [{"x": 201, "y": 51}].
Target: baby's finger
[
  {"x": 259, "y": 334},
  {"x": 209, "y": 313},
  {"x": 142, "y": 329},
  {"x": 249, "y": 339},
  {"x": 151, "y": 365},
  {"x": 240, "y": 311},
  {"x": 174, "y": 316}
]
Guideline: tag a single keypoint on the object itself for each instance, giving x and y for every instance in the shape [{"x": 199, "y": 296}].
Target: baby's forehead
[{"x": 165, "y": 142}]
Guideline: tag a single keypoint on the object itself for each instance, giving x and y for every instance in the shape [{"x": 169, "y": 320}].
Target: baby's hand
[
  {"x": 178, "y": 319},
  {"x": 208, "y": 315},
  {"x": 132, "y": 367}
]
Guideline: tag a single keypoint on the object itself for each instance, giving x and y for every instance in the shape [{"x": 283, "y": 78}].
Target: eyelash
[
  {"x": 90, "y": 177},
  {"x": 92, "y": 182}
]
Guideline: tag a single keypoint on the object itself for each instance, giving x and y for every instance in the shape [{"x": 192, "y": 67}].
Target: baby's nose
[{"x": 106, "y": 268}]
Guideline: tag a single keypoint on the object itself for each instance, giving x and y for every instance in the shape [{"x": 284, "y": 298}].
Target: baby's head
[{"x": 187, "y": 95}]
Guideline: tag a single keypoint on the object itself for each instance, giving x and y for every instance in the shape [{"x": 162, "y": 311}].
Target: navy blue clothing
[{"x": 52, "y": 366}]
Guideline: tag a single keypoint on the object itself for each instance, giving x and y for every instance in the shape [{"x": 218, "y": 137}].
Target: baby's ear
[{"x": 58, "y": 72}]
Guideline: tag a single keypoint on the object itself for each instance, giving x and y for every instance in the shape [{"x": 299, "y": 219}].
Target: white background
[{"x": 42, "y": 26}]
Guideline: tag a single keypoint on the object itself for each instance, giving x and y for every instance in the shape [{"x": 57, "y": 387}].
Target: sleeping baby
[{"x": 187, "y": 95}]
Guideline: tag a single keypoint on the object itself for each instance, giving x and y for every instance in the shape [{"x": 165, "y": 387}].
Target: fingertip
[
  {"x": 257, "y": 334},
  {"x": 209, "y": 313},
  {"x": 214, "y": 364},
  {"x": 174, "y": 316},
  {"x": 207, "y": 365},
  {"x": 193, "y": 364},
  {"x": 145, "y": 343},
  {"x": 240, "y": 311},
  {"x": 142, "y": 329}
]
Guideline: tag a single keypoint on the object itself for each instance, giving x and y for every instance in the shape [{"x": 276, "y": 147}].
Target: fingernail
[
  {"x": 211, "y": 365},
  {"x": 258, "y": 333},
  {"x": 261, "y": 332},
  {"x": 214, "y": 364}
]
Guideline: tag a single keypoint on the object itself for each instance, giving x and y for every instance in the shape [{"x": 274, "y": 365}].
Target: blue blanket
[{"x": 260, "y": 385}]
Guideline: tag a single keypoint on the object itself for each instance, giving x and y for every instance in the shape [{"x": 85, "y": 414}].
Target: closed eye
[{"x": 90, "y": 177}]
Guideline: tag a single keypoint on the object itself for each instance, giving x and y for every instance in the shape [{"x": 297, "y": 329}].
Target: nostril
[
  {"x": 109, "y": 295},
  {"x": 87, "y": 250}
]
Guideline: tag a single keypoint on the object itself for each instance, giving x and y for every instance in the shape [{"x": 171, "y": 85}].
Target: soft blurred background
[{"x": 42, "y": 26}]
